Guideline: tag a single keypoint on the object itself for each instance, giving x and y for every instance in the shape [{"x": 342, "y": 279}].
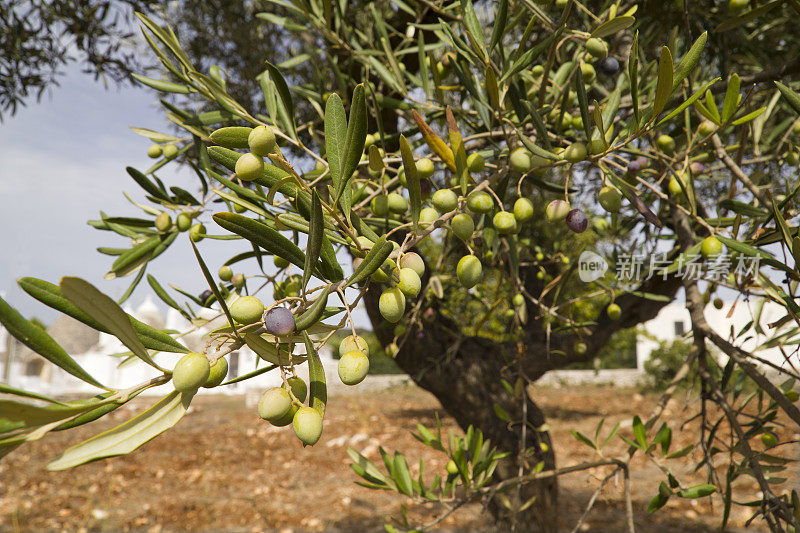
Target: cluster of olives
[
  {"x": 183, "y": 222},
  {"x": 282, "y": 405},
  {"x": 169, "y": 151},
  {"x": 193, "y": 371},
  {"x": 406, "y": 280},
  {"x": 261, "y": 143}
]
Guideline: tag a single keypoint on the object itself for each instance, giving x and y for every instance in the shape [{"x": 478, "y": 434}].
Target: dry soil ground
[{"x": 223, "y": 469}]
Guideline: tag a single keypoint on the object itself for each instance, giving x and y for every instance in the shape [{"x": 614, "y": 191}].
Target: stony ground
[{"x": 222, "y": 469}]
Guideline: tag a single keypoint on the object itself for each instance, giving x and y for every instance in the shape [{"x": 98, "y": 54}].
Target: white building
[
  {"x": 673, "y": 322},
  {"x": 95, "y": 353}
]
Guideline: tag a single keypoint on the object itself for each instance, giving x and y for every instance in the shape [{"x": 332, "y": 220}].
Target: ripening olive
[
  {"x": 274, "y": 404},
  {"x": 706, "y": 128},
  {"x": 666, "y": 144},
  {"x": 170, "y": 151},
  {"x": 380, "y": 205},
  {"x": 413, "y": 261},
  {"x": 427, "y": 216},
  {"x": 577, "y": 221},
  {"x": 769, "y": 440},
  {"x": 183, "y": 221},
  {"x": 557, "y": 210},
  {"x": 588, "y": 73},
  {"x": 397, "y": 204},
  {"x": 575, "y": 152},
  {"x": 504, "y": 222},
  {"x": 262, "y": 141},
  {"x": 279, "y": 321},
  {"x": 523, "y": 210},
  {"x": 197, "y": 232},
  {"x": 451, "y": 468},
  {"x": 520, "y": 160},
  {"x": 597, "y": 48},
  {"x": 608, "y": 66},
  {"x": 674, "y": 187},
  {"x": 280, "y": 262}
]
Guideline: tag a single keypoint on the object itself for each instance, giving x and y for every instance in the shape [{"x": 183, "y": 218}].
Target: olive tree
[{"x": 464, "y": 156}]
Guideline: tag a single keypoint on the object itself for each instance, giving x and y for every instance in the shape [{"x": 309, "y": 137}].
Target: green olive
[
  {"x": 247, "y": 310},
  {"x": 353, "y": 367},
  {"x": 249, "y": 167},
  {"x": 154, "y": 151},
  {"x": 262, "y": 141},
  {"x": 190, "y": 372},
  {"x": 307, "y": 424},
  {"x": 217, "y": 373},
  {"x": 469, "y": 271}
]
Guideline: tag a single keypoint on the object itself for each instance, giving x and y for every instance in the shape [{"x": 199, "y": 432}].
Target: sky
[{"x": 62, "y": 161}]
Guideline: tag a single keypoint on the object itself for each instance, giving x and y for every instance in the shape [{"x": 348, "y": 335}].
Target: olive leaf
[
  {"x": 414, "y": 192},
  {"x": 51, "y": 295},
  {"x": 335, "y": 136},
  {"x": 105, "y": 311},
  {"x": 40, "y": 342},
  {"x": 315, "y": 235},
  {"x": 128, "y": 436},
  {"x": 318, "y": 390},
  {"x": 664, "y": 85}
]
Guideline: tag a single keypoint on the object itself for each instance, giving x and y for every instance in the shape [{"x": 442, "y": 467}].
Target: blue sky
[{"x": 61, "y": 162}]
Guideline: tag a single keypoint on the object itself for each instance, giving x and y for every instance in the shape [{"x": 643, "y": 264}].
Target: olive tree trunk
[{"x": 464, "y": 373}]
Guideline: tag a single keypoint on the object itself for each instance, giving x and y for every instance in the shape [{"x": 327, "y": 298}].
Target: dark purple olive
[
  {"x": 425, "y": 188},
  {"x": 577, "y": 221},
  {"x": 697, "y": 167},
  {"x": 205, "y": 296},
  {"x": 634, "y": 167},
  {"x": 608, "y": 65},
  {"x": 279, "y": 321}
]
